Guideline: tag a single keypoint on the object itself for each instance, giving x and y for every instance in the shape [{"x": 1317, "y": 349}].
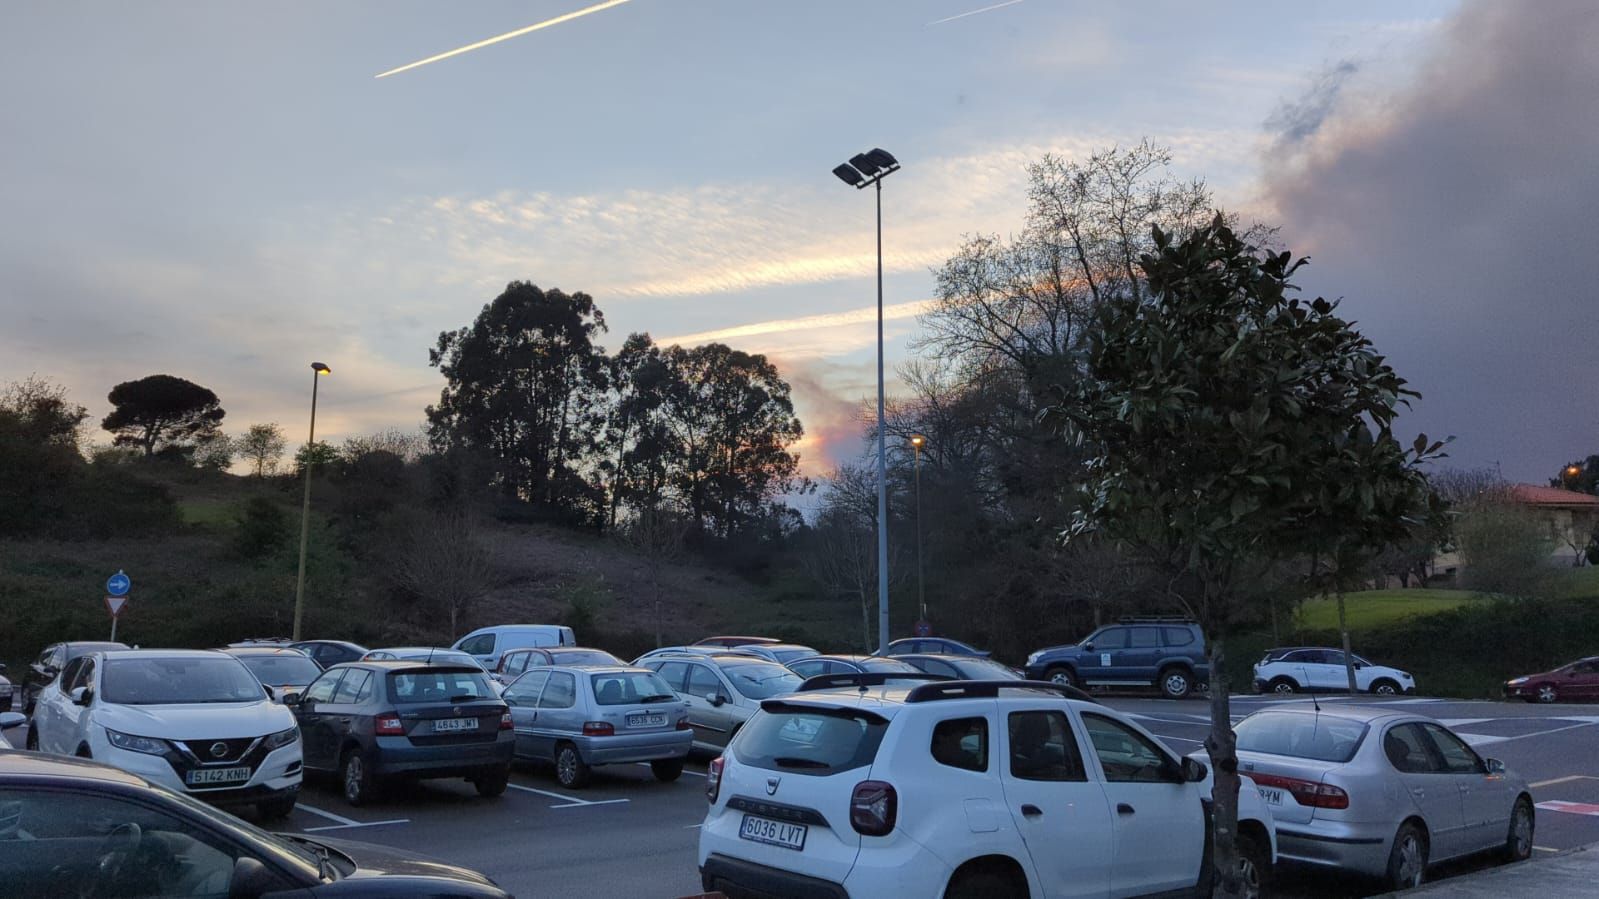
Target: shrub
[{"x": 1504, "y": 547}]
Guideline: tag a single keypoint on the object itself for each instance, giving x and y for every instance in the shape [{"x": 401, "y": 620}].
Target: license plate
[
  {"x": 213, "y": 776},
  {"x": 772, "y": 833},
  {"x": 454, "y": 725},
  {"x": 1271, "y": 796},
  {"x": 646, "y": 719}
]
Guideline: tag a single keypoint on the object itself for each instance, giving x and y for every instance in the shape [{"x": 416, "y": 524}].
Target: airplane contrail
[
  {"x": 806, "y": 323},
  {"x": 538, "y": 26},
  {"x": 975, "y": 12}
]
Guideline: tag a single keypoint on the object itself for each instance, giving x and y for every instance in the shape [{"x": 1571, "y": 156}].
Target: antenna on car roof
[{"x": 1310, "y": 689}]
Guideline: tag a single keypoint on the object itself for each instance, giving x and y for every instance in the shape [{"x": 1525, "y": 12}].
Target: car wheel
[
  {"x": 667, "y": 770},
  {"x": 1518, "y": 842},
  {"x": 276, "y": 809},
  {"x": 1175, "y": 683},
  {"x": 1407, "y": 861},
  {"x": 1062, "y": 676},
  {"x": 1385, "y": 688},
  {"x": 1254, "y": 865},
  {"x": 1284, "y": 686},
  {"x": 984, "y": 883},
  {"x": 1547, "y": 693},
  {"x": 492, "y": 783},
  {"x": 83, "y": 752},
  {"x": 570, "y": 768},
  {"x": 356, "y": 779}
]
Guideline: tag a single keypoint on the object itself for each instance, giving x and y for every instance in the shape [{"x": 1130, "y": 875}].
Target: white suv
[
  {"x": 960, "y": 789},
  {"x": 194, "y": 721},
  {"x": 1299, "y": 669}
]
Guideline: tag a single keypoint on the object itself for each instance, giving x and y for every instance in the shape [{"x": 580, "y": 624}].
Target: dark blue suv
[{"x": 1166, "y": 653}]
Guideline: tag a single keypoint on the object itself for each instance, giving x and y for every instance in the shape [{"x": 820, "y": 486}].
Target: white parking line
[
  {"x": 343, "y": 821},
  {"x": 1561, "y": 780},
  {"x": 568, "y": 801}
]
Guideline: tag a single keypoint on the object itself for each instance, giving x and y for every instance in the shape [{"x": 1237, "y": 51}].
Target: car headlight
[
  {"x": 1033, "y": 659},
  {"x": 1405, "y": 675},
  {"x": 282, "y": 738},
  {"x": 132, "y": 743},
  {"x": 1516, "y": 680}
]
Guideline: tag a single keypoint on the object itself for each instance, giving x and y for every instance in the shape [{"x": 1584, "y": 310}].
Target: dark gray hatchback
[{"x": 378, "y": 720}]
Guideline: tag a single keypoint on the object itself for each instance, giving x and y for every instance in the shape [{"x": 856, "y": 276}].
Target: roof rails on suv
[
  {"x": 863, "y": 679},
  {"x": 1155, "y": 619},
  {"x": 983, "y": 689}
]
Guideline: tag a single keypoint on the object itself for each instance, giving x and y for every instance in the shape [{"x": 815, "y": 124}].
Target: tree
[
  {"x": 656, "y": 532},
  {"x": 841, "y": 549},
  {"x": 440, "y": 556},
  {"x": 320, "y": 454},
  {"x": 39, "y": 457},
  {"x": 636, "y": 442},
  {"x": 525, "y": 384},
  {"x": 262, "y": 448},
  {"x": 1504, "y": 546},
  {"x": 1224, "y": 422},
  {"x": 1581, "y": 475},
  {"x": 216, "y": 453},
  {"x": 162, "y": 411}
]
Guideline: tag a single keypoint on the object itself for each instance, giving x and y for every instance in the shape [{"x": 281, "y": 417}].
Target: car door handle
[
  {"x": 345, "y": 721},
  {"x": 1032, "y": 811},
  {"x": 1418, "y": 792},
  {"x": 1123, "y": 808}
]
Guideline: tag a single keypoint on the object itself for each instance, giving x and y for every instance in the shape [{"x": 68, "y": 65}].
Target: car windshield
[
  {"x": 889, "y": 666},
  {"x": 174, "y": 681},
  {"x": 628, "y": 687},
  {"x": 287, "y": 668},
  {"x": 287, "y": 850},
  {"x": 985, "y": 669},
  {"x": 1322, "y": 738},
  {"x": 806, "y": 741},
  {"x": 760, "y": 680},
  {"x": 793, "y": 653},
  {"x": 583, "y": 657},
  {"x": 412, "y": 687}
]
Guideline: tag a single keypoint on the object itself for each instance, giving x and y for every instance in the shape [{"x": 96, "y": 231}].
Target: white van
[{"x": 487, "y": 644}]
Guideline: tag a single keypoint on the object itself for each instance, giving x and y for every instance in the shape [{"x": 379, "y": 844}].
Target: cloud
[
  {"x": 805, "y": 323},
  {"x": 1455, "y": 213},
  {"x": 1295, "y": 121}
]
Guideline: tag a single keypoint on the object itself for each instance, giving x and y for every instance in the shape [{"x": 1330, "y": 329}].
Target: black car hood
[{"x": 372, "y": 860}]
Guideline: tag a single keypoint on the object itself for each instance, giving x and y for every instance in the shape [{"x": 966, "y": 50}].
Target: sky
[{"x": 225, "y": 192}]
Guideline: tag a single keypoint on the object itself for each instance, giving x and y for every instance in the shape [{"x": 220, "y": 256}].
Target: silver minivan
[
  {"x": 722, "y": 691},
  {"x": 578, "y": 717}
]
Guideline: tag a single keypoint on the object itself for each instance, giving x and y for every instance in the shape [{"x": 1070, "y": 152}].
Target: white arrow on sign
[{"x": 115, "y": 603}]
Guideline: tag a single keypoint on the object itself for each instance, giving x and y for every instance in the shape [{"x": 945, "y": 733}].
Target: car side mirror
[
  {"x": 1359, "y": 665},
  {"x": 1494, "y": 766},
  {"x": 2, "y": 667},
  {"x": 269, "y": 692},
  {"x": 82, "y": 696},
  {"x": 1194, "y": 770},
  {"x": 1088, "y": 647},
  {"x": 250, "y": 879},
  {"x": 12, "y": 719},
  {"x": 714, "y": 699}
]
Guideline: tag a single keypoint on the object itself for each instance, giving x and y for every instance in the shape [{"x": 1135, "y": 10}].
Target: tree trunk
[
  {"x": 1223, "y": 749},
  {"x": 1343, "y": 628},
  {"x": 866, "y": 621}
]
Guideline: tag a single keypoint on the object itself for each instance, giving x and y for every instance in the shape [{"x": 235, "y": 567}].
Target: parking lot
[{"x": 627, "y": 835}]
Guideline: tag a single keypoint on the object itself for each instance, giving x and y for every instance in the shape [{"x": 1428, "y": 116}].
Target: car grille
[{"x": 203, "y": 750}]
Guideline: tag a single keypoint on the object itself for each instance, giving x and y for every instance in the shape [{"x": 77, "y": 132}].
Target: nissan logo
[
  {"x": 772, "y": 784},
  {"x": 219, "y": 749}
]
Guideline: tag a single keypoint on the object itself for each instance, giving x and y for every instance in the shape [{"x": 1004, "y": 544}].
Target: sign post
[{"x": 116, "y": 589}]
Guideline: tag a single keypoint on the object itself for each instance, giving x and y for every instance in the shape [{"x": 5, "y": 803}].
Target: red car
[{"x": 1572, "y": 683}]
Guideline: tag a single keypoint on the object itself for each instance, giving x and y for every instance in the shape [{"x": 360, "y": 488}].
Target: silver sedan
[{"x": 1380, "y": 793}]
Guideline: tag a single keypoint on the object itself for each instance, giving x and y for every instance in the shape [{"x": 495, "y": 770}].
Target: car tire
[
  {"x": 570, "y": 769},
  {"x": 356, "y": 780},
  {"x": 1062, "y": 675},
  {"x": 1547, "y": 693},
  {"x": 984, "y": 883},
  {"x": 1283, "y": 685},
  {"x": 492, "y": 783},
  {"x": 1407, "y": 860},
  {"x": 1254, "y": 865},
  {"x": 276, "y": 809},
  {"x": 1385, "y": 687},
  {"x": 667, "y": 770},
  {"x": 83, "y": 752},
  {"x": 1176, "y": 683},
  {"x": 1518, "y": 841}
]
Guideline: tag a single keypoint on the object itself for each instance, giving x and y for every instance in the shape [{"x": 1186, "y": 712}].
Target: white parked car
[
  {"x": 487, "y": 644},
  {"x": 960, "y": 789},
  {"x": 1307, "y": 669},
  {"x": 195, "y": 721}
]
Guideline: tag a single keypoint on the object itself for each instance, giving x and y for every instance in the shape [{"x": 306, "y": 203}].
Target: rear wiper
[{"x": 788, "y": 761}]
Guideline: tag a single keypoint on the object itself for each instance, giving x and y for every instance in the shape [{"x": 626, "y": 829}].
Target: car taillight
[
  {"x": 873, "y": 807},
  {"x": 505, "y": 721},
  {"x": 1305, "y": 792},
  {"x": 598, "y": 729},
  {"x": 682, "y": 724},
  {"x": 389, "y": 725},
  {"x": 713, "y": 780}
]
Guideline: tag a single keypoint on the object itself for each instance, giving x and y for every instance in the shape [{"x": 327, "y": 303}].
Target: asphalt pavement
[{"x": 628, "y": 835}]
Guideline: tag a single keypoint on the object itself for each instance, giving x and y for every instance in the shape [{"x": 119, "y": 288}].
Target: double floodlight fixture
[{"x": 865, "y": 169}]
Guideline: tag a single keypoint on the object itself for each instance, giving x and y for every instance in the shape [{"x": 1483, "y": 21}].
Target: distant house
[{"x": 1571, "y": 517}]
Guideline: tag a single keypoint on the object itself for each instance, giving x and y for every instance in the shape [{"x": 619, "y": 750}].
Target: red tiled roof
[{"x": 1533, "y": 495}]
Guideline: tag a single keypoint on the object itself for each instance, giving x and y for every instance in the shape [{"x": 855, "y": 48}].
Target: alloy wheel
[
  {"x": 1521, "y": 831},
  {"x": 352, "y": 778},
  {"x": 1385, "y": 689},
  {"x": 1546, "y": 693},
  {"x": 1284, "y": 688},
  {"x": 566, "y": 767},
  {"x": 1411, "y": 861}
]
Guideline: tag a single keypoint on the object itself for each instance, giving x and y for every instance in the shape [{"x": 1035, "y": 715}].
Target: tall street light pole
[
  {"x": 862, "y": 171},
  {"x": 917, "y": 441},
  {"x": 317, "y": 371}
]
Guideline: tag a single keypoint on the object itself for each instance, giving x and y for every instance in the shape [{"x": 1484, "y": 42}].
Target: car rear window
[
  {"x": 409, "y": 687},
  {"x": 810, "y": 741},
  {"x": 584, "y": 657},
  {"x": 761, "y": 680},
  {"x": 986, "y": 669},
  {"x": 1321, "y": 738},
  {"x": 288, "y": 668},
  {"x": 889, "y": 666},
  {"x": 629, "y": 687},
  {"x": 788, "y": 655}
]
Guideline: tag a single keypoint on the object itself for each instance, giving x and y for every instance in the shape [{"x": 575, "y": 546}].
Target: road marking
[
  {"x": 343, "y": 821},
  {"x": 1547, "y": 849},
  {"x": 1462, "y": 722},
  {"x": 693, "y": 826},
  {"x": 1541, "y": 733},
  {"x": 1570, "y": 808},
  {"x": 569, "y": 801},
  {"x": 1483, "y": 739},
  {"x": 1562, "y": 780}
]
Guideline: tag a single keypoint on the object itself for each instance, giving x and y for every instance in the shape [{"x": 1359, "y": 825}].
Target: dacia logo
[{"x": 772, "y": 784}]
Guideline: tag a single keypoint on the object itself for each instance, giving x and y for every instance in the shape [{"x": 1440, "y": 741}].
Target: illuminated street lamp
[
  {"x": 862, "y": 171},
  {"x": 318, "y": 370}
]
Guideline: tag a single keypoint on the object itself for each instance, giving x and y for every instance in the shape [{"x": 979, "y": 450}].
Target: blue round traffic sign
[{"x": 118, "y": 584}]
